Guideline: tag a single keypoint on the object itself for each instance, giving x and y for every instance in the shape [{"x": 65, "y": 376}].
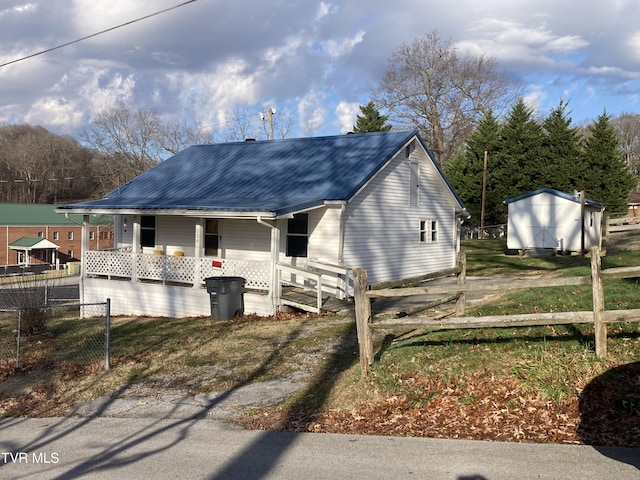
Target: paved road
[{"x": 107, "y": 448}]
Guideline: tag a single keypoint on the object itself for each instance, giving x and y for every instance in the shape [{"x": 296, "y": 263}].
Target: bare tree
[
  {"x": 431, "y": 86},
  {"x": 246, "y": 123},
  {"x": 178, "y": 136},
  {"x": 37, "y": 166},
  {"x": 133, "y": 136},
  {"x": 627, "y": 126}
]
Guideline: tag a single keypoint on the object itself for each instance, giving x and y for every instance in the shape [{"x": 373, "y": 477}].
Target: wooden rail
[{"x": 598, "y": 316}]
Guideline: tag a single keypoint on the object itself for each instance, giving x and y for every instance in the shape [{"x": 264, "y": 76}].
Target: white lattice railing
[
  {"x": 170, "y": 268},
  {"x": 256, "y": 274}
]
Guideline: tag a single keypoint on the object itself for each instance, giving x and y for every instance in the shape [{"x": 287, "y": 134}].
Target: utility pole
[{"x": 271, "y": 111}]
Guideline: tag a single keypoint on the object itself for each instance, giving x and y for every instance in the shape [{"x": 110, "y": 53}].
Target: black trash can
[{"x": 226, "y": 295}]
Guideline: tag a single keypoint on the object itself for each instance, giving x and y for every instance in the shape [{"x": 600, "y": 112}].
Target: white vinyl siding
[
  {"x": 176, "y": 234},
  {"x": 245, "y": 240},
  {"x": 381, "y": 229},
  {"x": 324, "y": 234}
]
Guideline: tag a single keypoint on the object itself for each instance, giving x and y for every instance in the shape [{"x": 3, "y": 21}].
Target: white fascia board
[{"x": 172, "y": 212}]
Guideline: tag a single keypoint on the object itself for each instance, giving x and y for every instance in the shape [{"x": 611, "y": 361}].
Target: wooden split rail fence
[{"x": 365, "y": 324}]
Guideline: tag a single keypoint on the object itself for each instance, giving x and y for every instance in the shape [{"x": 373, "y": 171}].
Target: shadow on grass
[
  {"x": 610, "y": 413},
  {"x": 298, "y": 416},
  {"x": 165, "y": 433}
]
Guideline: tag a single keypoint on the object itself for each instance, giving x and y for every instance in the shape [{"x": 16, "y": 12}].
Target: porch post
[
  {"x": 274, "y": 289},
  {"x": 135, "y": 248},
  {"x": 199, "y": 235},
  {"x": 84, "y": 241}
]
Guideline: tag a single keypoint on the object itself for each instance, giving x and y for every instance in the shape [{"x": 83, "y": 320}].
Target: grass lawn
[{"x": 541, "y": 384}]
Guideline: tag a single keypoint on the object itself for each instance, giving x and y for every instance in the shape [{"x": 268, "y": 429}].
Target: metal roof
[
  {"x": 557, "y": 193},
  {"x": 39, "y": 215},
  {"x": 273, "y": 176},
  {"x": 32, "y": 243}
]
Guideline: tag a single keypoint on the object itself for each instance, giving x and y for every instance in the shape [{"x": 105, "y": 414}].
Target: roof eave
[{"x": 200, "y": 213}]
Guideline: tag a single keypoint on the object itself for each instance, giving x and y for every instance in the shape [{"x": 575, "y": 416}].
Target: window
[
  {"x": 211, "y": 237},
  {"x": 92, "y": 235},
  {"x": 40, "y": 235},
  {"x": 148, "y": 231},
  {"x": 428, "y": 231},
  {"x": 56, "y": 235},
  {"x": 70, "y": 253},
  {"x": 298, "y": 235},
  {"x": 414, "y": 183},
  {"x": 69, "y": 235}
]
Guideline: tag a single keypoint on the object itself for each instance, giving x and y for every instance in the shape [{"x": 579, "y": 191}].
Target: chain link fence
[{"x": 39, "y": 324}]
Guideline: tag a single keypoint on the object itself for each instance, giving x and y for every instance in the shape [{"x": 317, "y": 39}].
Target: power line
[{"x": 96, "y": 34}]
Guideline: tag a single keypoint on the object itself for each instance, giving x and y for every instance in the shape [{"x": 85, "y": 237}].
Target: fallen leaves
[{"x": 500, "y": 410}]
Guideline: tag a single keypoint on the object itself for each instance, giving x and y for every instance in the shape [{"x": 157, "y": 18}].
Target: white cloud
[
  {"x": 202, "y": 60},
  {"x": 535, "y": 97},
  {"x": 346, "y": 113},
  {"x": 311, "y": 113},
  {"x": 340, "y": 47}
]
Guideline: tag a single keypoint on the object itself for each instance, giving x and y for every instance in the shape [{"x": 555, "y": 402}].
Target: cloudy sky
[{"x": 314, "y": 61}]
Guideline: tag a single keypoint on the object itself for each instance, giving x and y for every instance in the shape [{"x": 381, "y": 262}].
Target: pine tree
[
  {"x": 561, "y": 148},
  {"x": 607, "y": 176},
  {"x": 519, "y": 163},
  {"x": 466, "y": 169},
  {"x": 371, "y": 120}
]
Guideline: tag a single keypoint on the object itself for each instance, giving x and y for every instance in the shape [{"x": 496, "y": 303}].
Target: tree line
[{"x": 524, "y": 154}]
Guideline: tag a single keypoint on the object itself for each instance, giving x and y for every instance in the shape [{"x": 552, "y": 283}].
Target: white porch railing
[
  {"x": 321, "y": 278},
  {"x": 170, "y": 268}
]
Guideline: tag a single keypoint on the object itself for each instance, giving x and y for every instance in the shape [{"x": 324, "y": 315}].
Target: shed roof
[
  {"x": 557, "y": 193},
  {"x": 273, "y": 176}
]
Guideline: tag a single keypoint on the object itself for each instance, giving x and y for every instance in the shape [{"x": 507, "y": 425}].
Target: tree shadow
[
  {"x": 253, "y": 462},
  {"x": 298, "y": 417},
  {"x": 610, "y": 413}
]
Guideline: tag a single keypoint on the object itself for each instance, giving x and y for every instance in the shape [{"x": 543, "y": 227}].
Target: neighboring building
[
  {"x": 34, "y": 234},
  {"x": 633, "y": 205},
  {"x": 278, "y": 213},
  {"x": 547, "y": 219}
]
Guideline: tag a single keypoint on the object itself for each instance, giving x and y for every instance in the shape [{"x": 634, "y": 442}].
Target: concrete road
[{"x": 127, "y": 448}]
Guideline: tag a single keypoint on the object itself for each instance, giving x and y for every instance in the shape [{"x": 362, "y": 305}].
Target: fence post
[
  {"x": 600, "y": 329},
  {"x": 18, "y": 338},
  {"x": 107, "y": 333},
  {"x": 461, "y": 303},
  {"x": 363, "y": 317}
]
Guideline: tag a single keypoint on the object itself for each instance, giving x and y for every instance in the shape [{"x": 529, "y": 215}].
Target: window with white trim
[
  {"x": 428, "y": 231},
  {"x": 211, "y": 237},
  {"x": 298, "y": 235},
  {"x": 147, "y": 231}
]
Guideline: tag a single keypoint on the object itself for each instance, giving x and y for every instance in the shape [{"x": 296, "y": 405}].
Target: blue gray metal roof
[{"x": 277, "y": 176}]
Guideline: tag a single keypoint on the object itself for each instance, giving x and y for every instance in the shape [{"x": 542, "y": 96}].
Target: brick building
[{"x": 35, "y": 235}]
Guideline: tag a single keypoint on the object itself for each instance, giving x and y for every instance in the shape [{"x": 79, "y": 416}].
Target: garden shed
[{"x": 552, "y": 220}]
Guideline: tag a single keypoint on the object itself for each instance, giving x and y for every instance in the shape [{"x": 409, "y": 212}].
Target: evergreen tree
[
  {"x": 607, "y": 176},
  {"x": 371, "y": 120},
  {"x": 466, "y": 169},
  {"x": 563, "y": 161},
  {"x": 519, "y": 163}
]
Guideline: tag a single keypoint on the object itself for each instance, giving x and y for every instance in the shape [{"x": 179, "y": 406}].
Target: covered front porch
[{"x": 166, "y": 277}]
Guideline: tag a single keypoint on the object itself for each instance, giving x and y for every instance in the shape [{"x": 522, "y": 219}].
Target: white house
[
  {"x": 277, "y": 213},
  {"x": 553, "y": 220}
]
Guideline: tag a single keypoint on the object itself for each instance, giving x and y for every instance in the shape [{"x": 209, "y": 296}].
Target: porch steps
[{"x": 306, "y": 300}]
